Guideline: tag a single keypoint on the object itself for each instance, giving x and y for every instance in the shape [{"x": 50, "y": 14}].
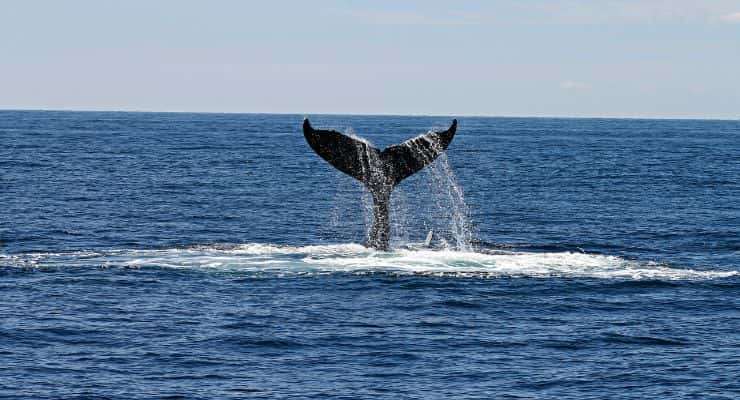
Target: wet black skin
[{"x": 379, "y": 171}]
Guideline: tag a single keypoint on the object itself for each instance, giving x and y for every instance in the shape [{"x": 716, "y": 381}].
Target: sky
[{"x": 565, "y": 58}]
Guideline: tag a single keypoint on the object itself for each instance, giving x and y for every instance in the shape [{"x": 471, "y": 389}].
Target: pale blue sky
[{"x": 613, "y": 58}]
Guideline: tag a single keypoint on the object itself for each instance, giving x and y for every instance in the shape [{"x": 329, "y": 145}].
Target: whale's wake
[{"x": 278, "y": 260}]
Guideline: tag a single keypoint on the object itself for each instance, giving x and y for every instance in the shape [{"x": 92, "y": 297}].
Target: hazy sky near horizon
[{"x": 611, "y": 58}]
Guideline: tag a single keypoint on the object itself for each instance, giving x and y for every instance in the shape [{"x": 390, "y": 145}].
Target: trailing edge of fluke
[{"x": 380, "y": 171}]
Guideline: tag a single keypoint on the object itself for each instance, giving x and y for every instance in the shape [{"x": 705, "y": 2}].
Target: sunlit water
[{"x": 204, "y": 255}]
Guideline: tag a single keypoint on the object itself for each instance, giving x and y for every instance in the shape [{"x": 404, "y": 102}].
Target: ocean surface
[{"x": 175, "y": 255}]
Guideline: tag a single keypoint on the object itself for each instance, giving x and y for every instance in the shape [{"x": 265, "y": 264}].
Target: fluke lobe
[{"x": 379, "y": 171}]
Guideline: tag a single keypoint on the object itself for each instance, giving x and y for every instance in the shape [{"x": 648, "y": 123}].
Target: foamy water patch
[
  {"x": 355, "y": 258},
  {"x": 512, "y": 264}
]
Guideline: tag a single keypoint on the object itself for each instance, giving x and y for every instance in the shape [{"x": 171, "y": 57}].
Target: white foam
[{"x": 355, "y": 258}]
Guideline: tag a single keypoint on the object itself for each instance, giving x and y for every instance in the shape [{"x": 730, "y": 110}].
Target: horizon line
[{"x": 370, "y": 114}]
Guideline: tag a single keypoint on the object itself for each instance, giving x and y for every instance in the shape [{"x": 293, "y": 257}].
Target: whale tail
[{"x": 380, "y": 171}]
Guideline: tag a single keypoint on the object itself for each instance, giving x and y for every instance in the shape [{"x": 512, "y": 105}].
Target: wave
[{"x": 355, "y": 258}]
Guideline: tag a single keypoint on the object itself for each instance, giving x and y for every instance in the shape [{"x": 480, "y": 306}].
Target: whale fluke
[{"x": 379, "y": 171}]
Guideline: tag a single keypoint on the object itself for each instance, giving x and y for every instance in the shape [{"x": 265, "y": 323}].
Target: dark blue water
[{"x": 147, "y": 255}]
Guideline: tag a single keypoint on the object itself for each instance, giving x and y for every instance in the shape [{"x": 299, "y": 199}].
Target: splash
[
  {"x": 449, "y": 202},
  {"x": 260, "y": 259}
]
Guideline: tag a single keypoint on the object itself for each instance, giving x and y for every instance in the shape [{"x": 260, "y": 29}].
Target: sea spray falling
[
  {"x": 402, "y": 217},
  {"x": 347, "y": 216},
  {"x": 448, "y": 214},
  {"x": 451, "y": 211}
]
